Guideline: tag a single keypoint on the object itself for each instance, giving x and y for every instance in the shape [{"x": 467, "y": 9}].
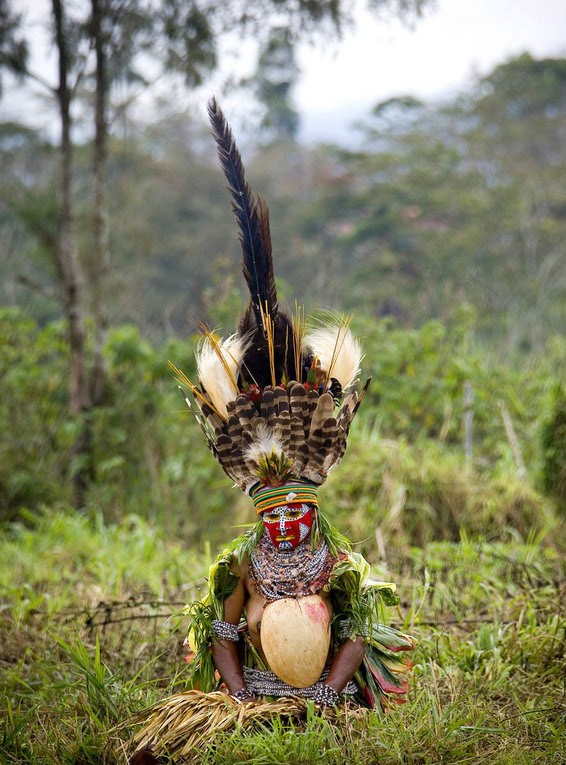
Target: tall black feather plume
[
  {"x": 253, "y": 219},
  {"x": 252, "y": 215}
]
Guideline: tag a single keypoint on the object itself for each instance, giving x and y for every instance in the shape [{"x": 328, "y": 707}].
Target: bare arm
[
  {"x": 345, "y": 663},
  {"x": 224, "y": 652}
]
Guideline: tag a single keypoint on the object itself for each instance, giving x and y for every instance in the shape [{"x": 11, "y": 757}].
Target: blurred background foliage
[
  {"x": 444, "y": 232},
  {"x": 446, "y": 208},
  {"x": 405, "y": 478}
]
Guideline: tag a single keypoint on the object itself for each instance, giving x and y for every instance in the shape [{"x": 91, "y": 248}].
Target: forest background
[{"x": 444, "y": 233}]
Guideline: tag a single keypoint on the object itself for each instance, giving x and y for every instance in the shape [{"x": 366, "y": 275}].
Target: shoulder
[{"x": 242, "y": 567}]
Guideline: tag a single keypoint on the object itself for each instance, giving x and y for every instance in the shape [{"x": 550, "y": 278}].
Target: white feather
[
  {"x": 264, "y": 444},
  {"x": 338, "y": 351},
  {"x": 218, "y": 383}
]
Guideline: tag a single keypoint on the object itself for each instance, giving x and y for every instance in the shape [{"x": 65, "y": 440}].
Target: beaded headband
[{"x": 268, "y": 497}]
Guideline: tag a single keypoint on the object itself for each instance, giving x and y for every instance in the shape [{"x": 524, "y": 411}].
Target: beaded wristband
[
  {"x": 225, "y": 630},
  {"x": 325, "y": 695},
  {"x": 242, "y": 695}
]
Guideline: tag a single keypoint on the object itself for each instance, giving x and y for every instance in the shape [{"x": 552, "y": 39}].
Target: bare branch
[{"x": 48, "y": 292}]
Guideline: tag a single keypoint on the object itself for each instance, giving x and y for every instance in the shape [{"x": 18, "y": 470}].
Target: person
[
  {"x": 275, "y": 402},
  {"x": 281, "y": 566},
  {"x": 296, "y": 558},
  {"x": 291, "y": 611}
]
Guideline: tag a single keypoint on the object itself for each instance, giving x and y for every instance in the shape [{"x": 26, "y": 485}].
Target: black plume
[
  {"x": 253, "y": 219},
  {"x": 252, "y": 215}
]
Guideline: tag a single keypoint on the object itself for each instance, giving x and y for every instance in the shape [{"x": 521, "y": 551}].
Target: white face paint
[{"x": 288, "y": 525}]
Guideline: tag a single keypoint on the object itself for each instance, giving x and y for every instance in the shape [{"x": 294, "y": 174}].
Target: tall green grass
[{"x": 90, "y": 633}]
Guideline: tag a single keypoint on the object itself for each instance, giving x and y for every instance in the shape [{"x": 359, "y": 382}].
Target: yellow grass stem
[
  {"x": 298, "y": 324},
  {"x": 182, "y": 378},
  {"x": 268, "y": 327},
  {"x": 180, "y": 724}
]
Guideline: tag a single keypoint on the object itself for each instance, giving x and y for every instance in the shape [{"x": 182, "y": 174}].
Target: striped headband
[{"x": 268, "y": 497}]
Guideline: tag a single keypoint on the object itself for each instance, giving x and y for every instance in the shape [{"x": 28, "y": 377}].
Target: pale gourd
[{"x": 295, "y": 637}]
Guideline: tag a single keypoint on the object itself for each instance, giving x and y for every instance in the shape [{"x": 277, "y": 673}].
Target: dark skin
[{"x": 246, "y": 598}]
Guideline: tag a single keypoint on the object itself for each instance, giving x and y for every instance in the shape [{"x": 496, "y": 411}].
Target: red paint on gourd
[{"x": 317, "y": 612}]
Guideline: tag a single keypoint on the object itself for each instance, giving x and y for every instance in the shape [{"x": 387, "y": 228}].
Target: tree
[
  {"x": 13, "y": 46},
  {"x": 276, "y": 72},
  {"x": 80, "y": 394}
]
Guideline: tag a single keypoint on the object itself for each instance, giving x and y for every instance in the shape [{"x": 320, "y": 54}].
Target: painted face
[{"x": 288, "y": 525}]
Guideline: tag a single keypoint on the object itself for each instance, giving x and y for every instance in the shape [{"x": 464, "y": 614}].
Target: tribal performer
[{"x": 291, "y": 612}]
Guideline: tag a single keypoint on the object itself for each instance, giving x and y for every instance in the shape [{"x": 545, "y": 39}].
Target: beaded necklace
[{"x": 292, "y": 573}]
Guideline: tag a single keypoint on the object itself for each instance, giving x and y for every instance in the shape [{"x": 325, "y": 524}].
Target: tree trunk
[
  {"x": 100, "y": 262},
  {"x": 69, "y": 268}
]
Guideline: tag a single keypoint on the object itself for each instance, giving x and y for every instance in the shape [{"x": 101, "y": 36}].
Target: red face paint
[{"x": 288, "y": 525}]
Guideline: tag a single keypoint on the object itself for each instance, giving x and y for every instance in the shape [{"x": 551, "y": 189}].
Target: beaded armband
[{"x": 225, "y": 630}]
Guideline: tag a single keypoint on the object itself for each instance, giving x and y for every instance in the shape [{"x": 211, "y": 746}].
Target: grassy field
[{"x": 91, "y": 631}]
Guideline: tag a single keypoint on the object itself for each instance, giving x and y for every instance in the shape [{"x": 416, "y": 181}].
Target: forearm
[
  {"x": 225, "y": 638},
  {"x": 345, "y": 663},
  {"x": 227, "y": 663}
]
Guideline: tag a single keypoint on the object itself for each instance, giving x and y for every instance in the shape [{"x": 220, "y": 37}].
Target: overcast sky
[
  {"x": 341, "y": 81},
  {"x": 438, "y": 56}
]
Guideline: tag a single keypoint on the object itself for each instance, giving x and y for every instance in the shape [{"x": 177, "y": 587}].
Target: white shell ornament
[{"x": 295, "y": 637}]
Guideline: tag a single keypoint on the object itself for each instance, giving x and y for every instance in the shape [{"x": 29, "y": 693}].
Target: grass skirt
[{"x": 181, "y": 725}]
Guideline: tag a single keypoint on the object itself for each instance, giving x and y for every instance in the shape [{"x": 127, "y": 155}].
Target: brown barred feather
[
  {"x": 361, "y": 396},
  {"x": 233, "y": 428},
  {"x": 227, "y": 459},
  {"x": 297, "y": 399},
  {"x": 301, "y": 459},
  {"x": 283, "y": 422},
  {"x": 215, "y": 422},
  {"x": 320, "y": 443},
  {"x": 346, "y": 411},
  {"x": 245, "y": 411},
  {"x": 267, "y": 406},
  {"x": 334, "y": 456},
  {"x": 323, "y": 410},
  {"x": 300, "y": 411},
  {"x": 281, "y": 397},
  {"x": 298, "y": 449}
]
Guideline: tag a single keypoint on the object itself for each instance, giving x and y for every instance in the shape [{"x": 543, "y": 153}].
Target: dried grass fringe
[{"x": 180, "y": 725}]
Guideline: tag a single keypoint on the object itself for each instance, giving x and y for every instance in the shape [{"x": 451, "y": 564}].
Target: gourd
[{"x": 295, "y": 637}]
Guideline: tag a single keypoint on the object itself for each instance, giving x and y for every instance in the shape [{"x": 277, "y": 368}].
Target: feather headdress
[{"x": 274, "y": 401}]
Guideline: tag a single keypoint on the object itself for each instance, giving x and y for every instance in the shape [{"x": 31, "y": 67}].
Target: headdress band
[{"x": 268, "y": 497}]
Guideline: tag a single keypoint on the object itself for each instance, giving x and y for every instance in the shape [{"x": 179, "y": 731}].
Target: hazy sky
[
  {"x": 437, "y": 56},
  {"x": 341, "y": 81}
]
